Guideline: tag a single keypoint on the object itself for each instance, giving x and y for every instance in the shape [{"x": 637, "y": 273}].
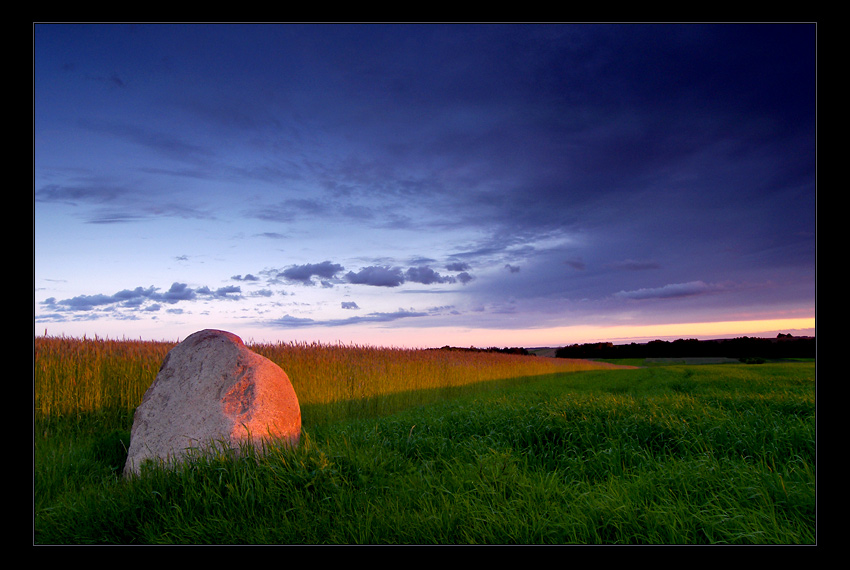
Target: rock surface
[{"x": 212, "y": 392}]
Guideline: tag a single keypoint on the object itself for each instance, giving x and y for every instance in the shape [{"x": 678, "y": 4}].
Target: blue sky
[{"x": 423, "y": 185}]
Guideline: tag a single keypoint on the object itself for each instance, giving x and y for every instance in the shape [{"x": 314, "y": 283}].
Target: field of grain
[{"x": 333, "y": 382}]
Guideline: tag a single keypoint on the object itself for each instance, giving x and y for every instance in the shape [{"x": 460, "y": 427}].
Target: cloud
[
  {"x": 169, "y": 145},
  {"x": 387, "y": 276},
  {"x": 512, "y": 268},
  {"x": 135, "y": 298},
  {"x": 178, "y": 292},
  {"x": 377, "y": 276},
  {"x": 427, "y": 276},
  {"x": 289, "y": 321},
  {"x": 81, "y": 302},
  {"x": 384, "y": 317},
  {"x": 290, "y": 210},
  {"x": 221, "y": 292},
  {"x": 152, "y": 299},
  {"x": 670, "y": 291},
  {"x": 464, "y": 277},
  {"x": 305, "y": 273},
  {"x": 114, "y": 204},
  {"x": 458, "y": 266},
  {"x": 73, "y": 195}
]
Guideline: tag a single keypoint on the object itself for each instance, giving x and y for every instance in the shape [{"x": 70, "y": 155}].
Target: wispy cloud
[
  {"x": 576, "y": 264},
  {"x": 105, "y": 203},
  {"x": 672, "y": 290},
  {"x": 289, "y": 321},
  {"x": 94, "y": 193},
  {"x": 290, "y": 210},
  {"x": 167, "y": 144}
]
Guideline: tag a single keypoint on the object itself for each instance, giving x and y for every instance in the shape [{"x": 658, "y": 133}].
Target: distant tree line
[
  {"x": 513, "y": 350},
  {"x": 783, "y": 346}
]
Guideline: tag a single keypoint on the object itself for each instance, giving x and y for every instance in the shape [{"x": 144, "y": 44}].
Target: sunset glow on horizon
[
  {"x": 423, "y": 185},
  {"x": 416, "y": 338}
]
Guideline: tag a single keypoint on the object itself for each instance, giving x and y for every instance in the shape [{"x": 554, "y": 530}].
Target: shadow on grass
[{"x": 388, "y": 404}]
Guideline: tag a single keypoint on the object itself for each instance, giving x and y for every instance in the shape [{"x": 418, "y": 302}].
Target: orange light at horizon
[
  {"x": 580, "y": 334},
  {"x": 708, "y": 329}
]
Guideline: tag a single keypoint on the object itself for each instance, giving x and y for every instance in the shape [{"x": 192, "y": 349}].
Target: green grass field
[{"x": 675, "y": 454}]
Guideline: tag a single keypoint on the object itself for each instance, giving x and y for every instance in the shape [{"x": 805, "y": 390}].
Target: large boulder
[{"x": 212, "y": 392}]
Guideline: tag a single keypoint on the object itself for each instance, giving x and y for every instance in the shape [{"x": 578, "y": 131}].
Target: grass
[{"x": 707, "y": 454}]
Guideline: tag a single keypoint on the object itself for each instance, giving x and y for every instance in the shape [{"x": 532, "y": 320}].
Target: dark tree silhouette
[{"x": 783, "y": 346}]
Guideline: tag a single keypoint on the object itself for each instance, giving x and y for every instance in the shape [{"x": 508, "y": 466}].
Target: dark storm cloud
[
  {"x": 543, "y": 126},
  {"x": 647, "y": 106}
]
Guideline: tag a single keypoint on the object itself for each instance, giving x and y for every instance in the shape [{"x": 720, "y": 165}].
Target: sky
[{"x": 422, "y": 185}]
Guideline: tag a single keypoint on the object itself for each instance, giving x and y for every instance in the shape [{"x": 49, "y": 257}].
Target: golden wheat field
[{"x": 84, "y": 375}]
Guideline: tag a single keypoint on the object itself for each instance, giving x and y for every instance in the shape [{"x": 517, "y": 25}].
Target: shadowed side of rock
[{"x": 211, "y": 390}]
